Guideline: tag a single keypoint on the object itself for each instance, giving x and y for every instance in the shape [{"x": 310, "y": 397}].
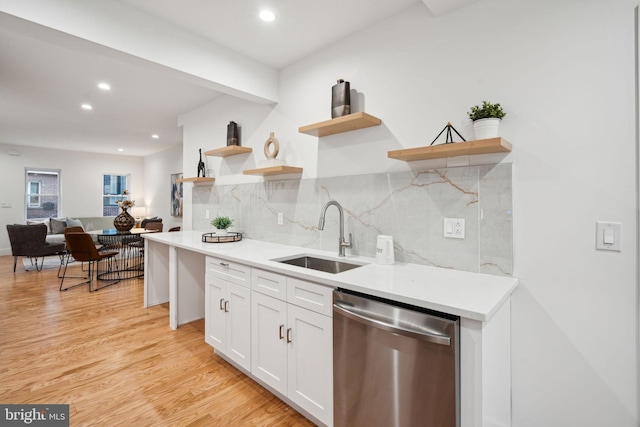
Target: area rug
[{"x": 49, "y": 263}]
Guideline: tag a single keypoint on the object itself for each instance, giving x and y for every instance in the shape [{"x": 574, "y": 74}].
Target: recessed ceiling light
[
  {"x": 267, "y": 15},
  {"x": 155, "y": 136},
  {"x": 104, "y": 86},
  {"x": 121, "y": 149},
  {"x": 86, "y": 107}
]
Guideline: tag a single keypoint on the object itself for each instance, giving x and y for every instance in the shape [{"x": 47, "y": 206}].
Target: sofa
[{"x": 56, "y": 226}]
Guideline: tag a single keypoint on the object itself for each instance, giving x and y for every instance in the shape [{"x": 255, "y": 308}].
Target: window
[
  {"x": 114, "y": 187},
  {"x": 33, "y": 190},
  {"x": 42, "y": 194}
]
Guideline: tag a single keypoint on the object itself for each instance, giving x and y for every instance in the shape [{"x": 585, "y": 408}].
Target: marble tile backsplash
[{"x": 410, "y": 206}]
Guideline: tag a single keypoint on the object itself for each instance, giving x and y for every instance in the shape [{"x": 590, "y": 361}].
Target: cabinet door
[
  {"x": 268, "y": 335},
  {"x": 238, "y": 326},
  {"x": 215, "y": 316},
  {"x": 310, "y": 374}
]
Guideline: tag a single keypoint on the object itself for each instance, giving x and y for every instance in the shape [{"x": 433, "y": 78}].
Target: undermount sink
[{"x": 326, "y": 265}]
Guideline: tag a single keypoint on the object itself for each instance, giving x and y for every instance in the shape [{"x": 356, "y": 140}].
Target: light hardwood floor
[{"x": 116, "y": 363}]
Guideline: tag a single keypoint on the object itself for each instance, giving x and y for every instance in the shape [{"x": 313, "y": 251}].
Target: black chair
[
  {"x": 30, "y": 241},
  {"x": 174, "y": 229},
  {"x": 82, "y": 248}
]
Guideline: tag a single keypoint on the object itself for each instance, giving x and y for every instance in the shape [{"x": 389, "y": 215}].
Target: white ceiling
[
  {"x": 46, "y": 74},
  {"x": 301, "y": 26}
]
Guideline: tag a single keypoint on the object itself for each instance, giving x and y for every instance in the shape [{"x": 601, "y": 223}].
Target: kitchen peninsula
[{"x": 176, "y": 265}]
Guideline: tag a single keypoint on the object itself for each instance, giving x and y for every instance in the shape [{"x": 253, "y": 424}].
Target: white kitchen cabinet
[
  {"x": 268, "y": 341},
  {"x": 228, "y": 312},
  {"x": 310, "y": 362},
  {"x": 292, "y": 347},
  {"x": 215, "y": 316}
]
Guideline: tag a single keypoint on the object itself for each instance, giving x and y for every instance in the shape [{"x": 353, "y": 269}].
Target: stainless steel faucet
[{"x": 342, "y": 244}]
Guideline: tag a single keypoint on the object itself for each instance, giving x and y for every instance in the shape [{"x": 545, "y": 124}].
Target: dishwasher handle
[{"x": 400, "y": 330}]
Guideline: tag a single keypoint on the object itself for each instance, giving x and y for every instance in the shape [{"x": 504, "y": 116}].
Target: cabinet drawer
[
  {"x": 268, "y": 283},
  {"x": 309, "y": 295},
  {"x": 229, "y": 270}
]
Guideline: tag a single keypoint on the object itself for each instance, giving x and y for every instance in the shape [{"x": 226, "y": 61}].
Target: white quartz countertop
[{"x": 471, "y": 295}]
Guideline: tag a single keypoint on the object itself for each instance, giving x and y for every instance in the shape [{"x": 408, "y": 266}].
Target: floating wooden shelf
[
  {"x": 341, "y": 124},
  {"x": 201, "y": 179},
  {"x": 478, "y": 146},
  {"x": 273, "y": 170},
  {"x": 229, "y": 150}
]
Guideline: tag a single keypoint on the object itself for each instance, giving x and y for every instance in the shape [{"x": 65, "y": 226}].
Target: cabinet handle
[
  {"x": 221, "y": 302},
  {"x": 288, "y": 335},
  {"x": 224, "y": 264},
  {"x": 281, "y": 332},
  {"x": 226, "y": 306}
]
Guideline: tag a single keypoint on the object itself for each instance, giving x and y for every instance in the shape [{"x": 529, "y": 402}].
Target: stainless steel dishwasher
[{"x": 394, "y": 365}]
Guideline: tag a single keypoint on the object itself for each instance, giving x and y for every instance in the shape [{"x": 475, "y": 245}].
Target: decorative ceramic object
[
  {"x": 271, "y": 141},
  {"x": 271, "y": 150},
  {"x": 124, "y": 221},
  {"x": 232, "y": 134},
  {"x": 340, "y": 99},
  {"x": 201, "y": 168},
  {"x": 486, "y": 128}
]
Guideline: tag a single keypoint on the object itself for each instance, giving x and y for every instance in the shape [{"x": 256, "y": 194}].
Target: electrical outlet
[
  {"x": 280, "y": 218},
  {"x": 206, "y": 213},
  {"x": 454, "y": 228}
]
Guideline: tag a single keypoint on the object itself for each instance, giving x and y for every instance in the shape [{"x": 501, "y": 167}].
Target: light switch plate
[{"x": 608, "y": 236}]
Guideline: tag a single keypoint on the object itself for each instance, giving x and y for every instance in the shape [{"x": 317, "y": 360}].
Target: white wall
[
  {"x": 81, "y": 182},
  {"x": 564, "y": 71},
  {"x": 157, "y": 177}
]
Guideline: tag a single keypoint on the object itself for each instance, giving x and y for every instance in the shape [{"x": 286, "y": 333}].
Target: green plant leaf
[
  {"x": 222, "y": 222},
  {"x": 488, "y": 110}
]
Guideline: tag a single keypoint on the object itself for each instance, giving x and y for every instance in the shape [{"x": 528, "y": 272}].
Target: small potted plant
[
  {"x": 221, "y": 223},
  {"x": 486, "y": 119}
]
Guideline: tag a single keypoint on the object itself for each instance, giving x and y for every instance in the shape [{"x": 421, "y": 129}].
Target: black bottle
[
  {"x": 340, "y": 99},
  {"x": 232, "y": 134}
]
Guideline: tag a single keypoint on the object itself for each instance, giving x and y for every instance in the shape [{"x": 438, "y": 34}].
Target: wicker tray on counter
[{"x": 213, "y": 238}]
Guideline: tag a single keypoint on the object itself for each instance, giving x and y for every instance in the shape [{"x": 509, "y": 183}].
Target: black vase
[
  {"x": 340, "y": 99},
  {"x": 124, "y": 221},
  {"x": 232, "y": 134}
]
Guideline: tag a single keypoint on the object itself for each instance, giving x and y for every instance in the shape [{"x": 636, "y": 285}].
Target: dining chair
[
  {"x": 67, "y": 255},
  {"x": 82, "y": 248}
]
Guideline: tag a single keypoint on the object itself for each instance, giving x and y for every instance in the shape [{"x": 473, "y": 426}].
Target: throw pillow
[
  {"x": 74, "y": 223},
  {"x": 57, "y": 225}
]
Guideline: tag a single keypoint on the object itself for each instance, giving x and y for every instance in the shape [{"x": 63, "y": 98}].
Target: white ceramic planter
[
  {"x": 486, "y": 128},
  {"x": 220, "y": 232}
]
